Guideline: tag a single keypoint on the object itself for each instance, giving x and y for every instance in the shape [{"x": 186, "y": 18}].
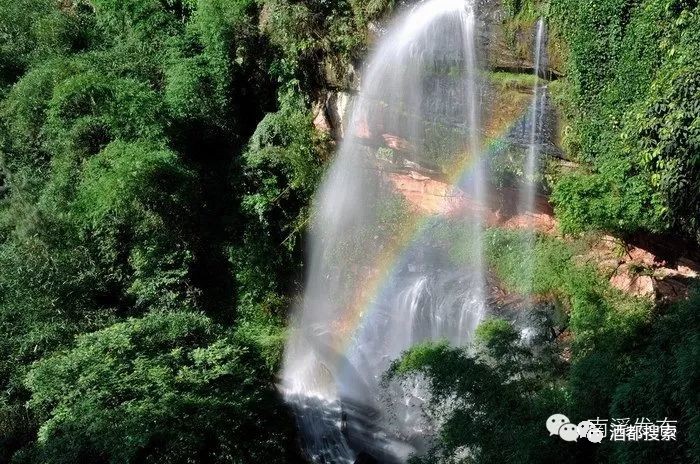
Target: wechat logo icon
[
  {"x": 559, "y": 424},
  {"x": 555, "y": 422}
]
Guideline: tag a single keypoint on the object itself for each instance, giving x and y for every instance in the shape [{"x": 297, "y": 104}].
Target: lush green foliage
[
  {"x": 604, "y": 322},
  {"x": 320, "y": 40},
  {"x": 507, "y": 81},
  {"x": 169, "y": 387},
  {"x": 498, "y": 399},
  {"x": 633, "y": 81},
  {"x": 616, "y": 369},
  {"x": 664, "y": 382},
  {"x": 157, "y": 160},
  {"x": 632, "y": 109}
]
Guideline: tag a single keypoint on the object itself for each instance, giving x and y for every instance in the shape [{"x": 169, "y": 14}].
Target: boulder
[
  {"x": 647, "y": 269},
  {"x": 626, "y": 280}
]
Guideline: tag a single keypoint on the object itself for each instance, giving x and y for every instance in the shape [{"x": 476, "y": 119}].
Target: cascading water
[
  {"x": 376, "y": 286},
  {"x": 528, "y": 193}
]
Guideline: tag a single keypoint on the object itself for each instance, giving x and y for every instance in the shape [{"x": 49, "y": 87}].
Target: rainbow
[{"x": 392, "y": 257}]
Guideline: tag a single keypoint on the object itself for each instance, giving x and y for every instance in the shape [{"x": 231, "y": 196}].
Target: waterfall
[
  {"x": 371, "y": 293},
  {"x": 527, "y": 204}
]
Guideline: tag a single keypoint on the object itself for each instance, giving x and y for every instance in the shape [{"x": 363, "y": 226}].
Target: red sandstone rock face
[
  {"x": 429, "y": 196},
  {"x": 397, "y": 143},
  {"x": 633, "y": 269},
  {"x": 633, "y": 284},
  {"x": 434, "y": 197},
  {"x": 638, "y": 271},
  {"x": 540, "y": 221}
]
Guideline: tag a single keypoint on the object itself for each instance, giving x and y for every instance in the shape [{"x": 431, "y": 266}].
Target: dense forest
[{"x": 158, "y": 159}]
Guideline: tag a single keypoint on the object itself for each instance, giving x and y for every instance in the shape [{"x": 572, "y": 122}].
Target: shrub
[
  {"x": 169, "y": 388},
  {"x": 633, "y": 67}
]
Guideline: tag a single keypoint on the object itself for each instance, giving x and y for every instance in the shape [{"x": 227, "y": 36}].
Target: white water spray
[
  {"x": 536, "y": 108},
  {"x": 528, "y": 194},
  {"x": 374, "y": 291}
]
